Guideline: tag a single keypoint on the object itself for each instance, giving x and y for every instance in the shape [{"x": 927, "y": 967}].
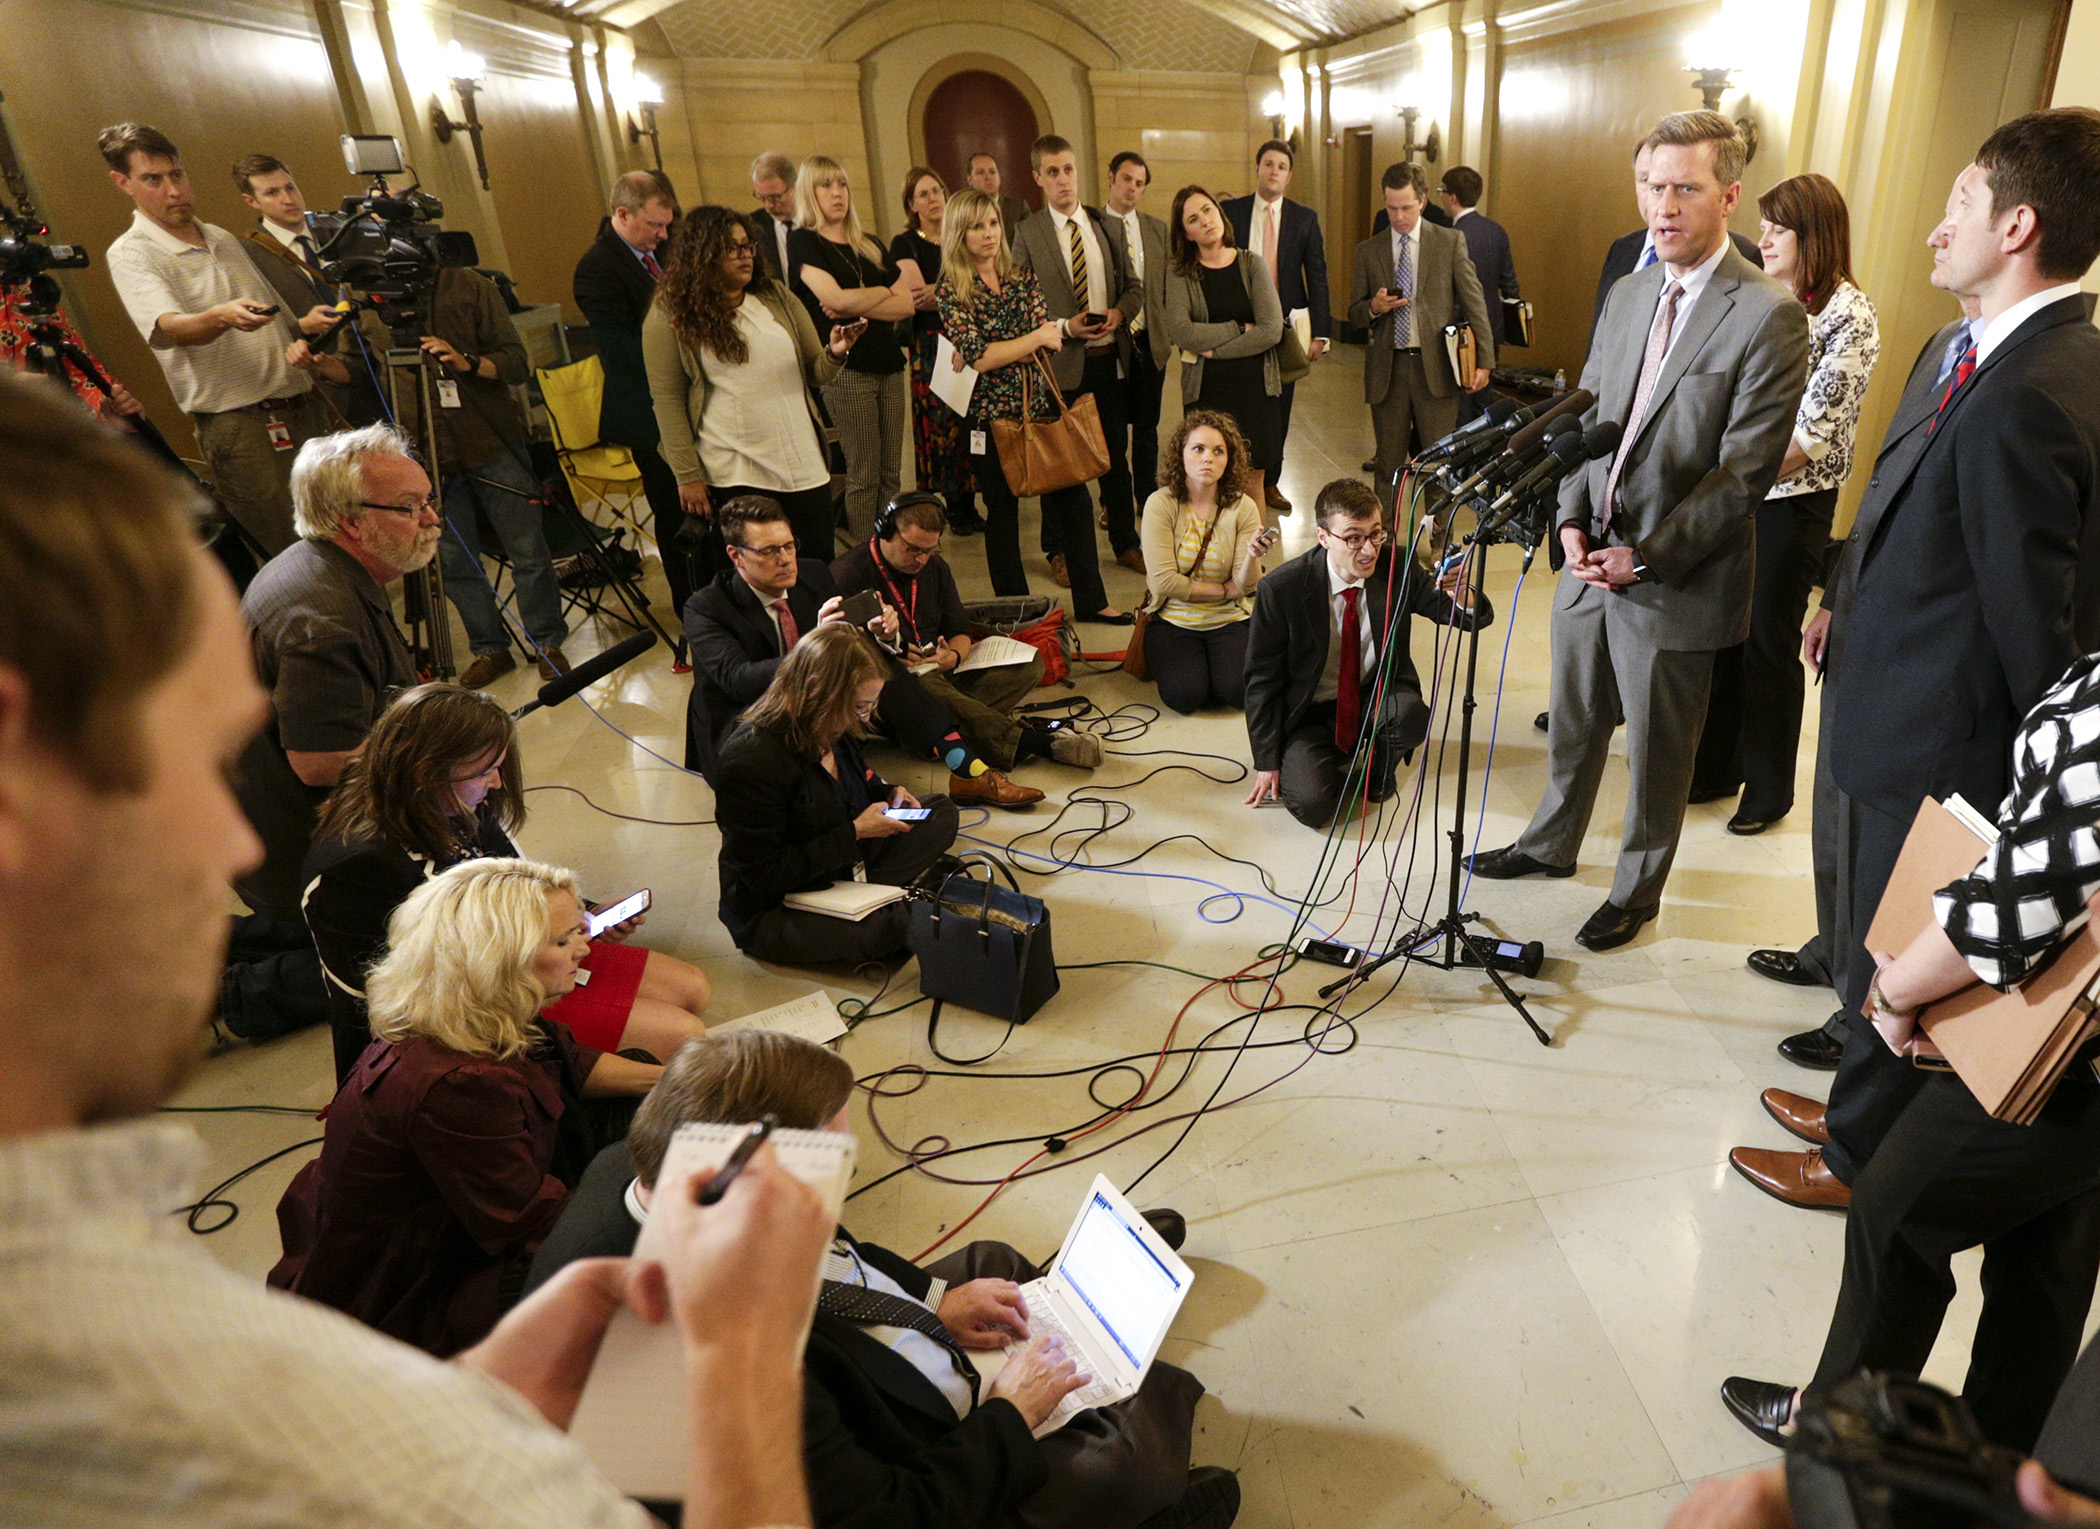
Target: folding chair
[{"x": 600, "y": 475}]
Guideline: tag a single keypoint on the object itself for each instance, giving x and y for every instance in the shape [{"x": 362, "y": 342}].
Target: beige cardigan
[
  {"x": 1165, "y": 519},
  {"x": 678, "y": 376}
]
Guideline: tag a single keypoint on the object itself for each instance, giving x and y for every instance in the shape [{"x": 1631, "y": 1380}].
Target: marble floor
[{"x": 1443, "y": 1275}]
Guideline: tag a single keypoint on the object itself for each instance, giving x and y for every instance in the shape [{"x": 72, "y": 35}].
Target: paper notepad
[
  {"x": 813, "y": 1017},
  {"x": 634, "y": 1420},
  {"x": 950, "y": 386},
  {"x": 850, "y": 900},
  {"x": 995, "y": 652}
]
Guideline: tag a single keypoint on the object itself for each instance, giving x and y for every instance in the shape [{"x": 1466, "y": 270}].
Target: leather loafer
[
  {"x": 1817, "y": 1050},
  {"x": 1782, "y": 966},
  {"x": 1276, "y": 499},
  {"x": 1798, "y": 1178},
  {"x": 1108, "y": 618},
  {"x": 1211, "y": 1501},
  {"x": 1803, "y": 1116},
  {"x": 1058, "y": 575},
  {"x": 1133, "y": 559},
  {"x": 1172, "y": 1226},
  {"x": 1612, "y": 926},
  {"x": 991, "y": 789},
  {"x": 1761, "y": 1406},
  {"x": 1509, "y": 863}
]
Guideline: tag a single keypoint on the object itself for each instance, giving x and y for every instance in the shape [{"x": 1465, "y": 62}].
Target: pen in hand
[{"x": 754, "y": 1138}]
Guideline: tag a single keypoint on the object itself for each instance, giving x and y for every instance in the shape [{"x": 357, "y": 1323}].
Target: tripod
[{"x": 1448, "y": 944}]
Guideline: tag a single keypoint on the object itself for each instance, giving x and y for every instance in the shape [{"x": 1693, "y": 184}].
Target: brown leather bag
[
  {"x": 1040, "y": 457},
  {"x": 1135, "y": 664}
]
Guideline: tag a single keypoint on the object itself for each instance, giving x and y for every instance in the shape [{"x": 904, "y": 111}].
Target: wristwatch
[
  {"x": 1878, "y": 1004},
  {"x": 469, "y": 366}
]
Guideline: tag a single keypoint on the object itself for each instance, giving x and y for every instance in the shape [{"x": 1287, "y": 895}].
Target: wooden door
[{"x": 978, "y": 112}]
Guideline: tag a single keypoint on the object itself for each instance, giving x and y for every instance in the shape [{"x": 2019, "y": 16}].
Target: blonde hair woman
[
  {"x": 843, "y": 276},
  {"x": 437, "y": 1176},
  {"x": 937, "y": 431}
]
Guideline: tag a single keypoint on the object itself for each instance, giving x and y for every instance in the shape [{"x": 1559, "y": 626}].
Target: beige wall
[
  {"x": 736, "y": 109},
  {"x": 1193, "y": 129}
]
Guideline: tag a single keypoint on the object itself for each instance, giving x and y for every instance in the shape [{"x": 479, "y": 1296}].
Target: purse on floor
[
  {"x": 1043, "y": 456},
  {"x": 984, "y": 946}
]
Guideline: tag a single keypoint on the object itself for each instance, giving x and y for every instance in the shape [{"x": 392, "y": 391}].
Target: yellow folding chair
[{"x": 601, "y": 476}]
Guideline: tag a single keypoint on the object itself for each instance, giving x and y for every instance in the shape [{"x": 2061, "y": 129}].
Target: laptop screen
[{"x": 1123, "y": 1283}]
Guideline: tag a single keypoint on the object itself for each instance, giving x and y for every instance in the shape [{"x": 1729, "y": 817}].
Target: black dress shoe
[
  {"x": 1762, "y": 1407},
  {"x": 1541, "y": 720},
  {"x": 1612, "y": 926},
  {"x": 1782, "y": 966},
  {"x": 1103, "y": 618},
  {"x": 1211, "y": 1501},
  {"x": 1745, "y": 827},
  {"x": 1172, "y": 1226},
  {"x": 1509, "y": 863},
  {"x": 1817, "y": 1050},
  {"x": 1701, "y": 794}
]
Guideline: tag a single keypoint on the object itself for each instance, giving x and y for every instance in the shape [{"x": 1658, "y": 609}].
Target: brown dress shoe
[
  {"x": 1058, "y": 576},
  {"x": 1132, "y": 559},
  {"x": 552, "y": 662},
  {"x": 1276, "y": 500},
  {"x": 1798, "y": 1178},
  {"x": 991, "y": 789},
  {"x": 487, "y": 668},
  {"x": 1804, "y": 1117}
]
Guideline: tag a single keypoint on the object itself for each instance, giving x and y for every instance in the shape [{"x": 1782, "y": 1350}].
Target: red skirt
[{"x": 596, "y": 1012}]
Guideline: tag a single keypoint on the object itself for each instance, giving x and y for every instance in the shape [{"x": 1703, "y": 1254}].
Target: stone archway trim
[{"x": 963, "y": 63}]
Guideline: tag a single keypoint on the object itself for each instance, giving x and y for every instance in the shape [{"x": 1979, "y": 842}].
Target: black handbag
[{"x": 984, "y": 946}]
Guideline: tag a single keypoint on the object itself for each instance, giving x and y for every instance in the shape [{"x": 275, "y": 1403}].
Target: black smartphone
[
  {"x": 1093, "y": 320},
  {"x": 862, "y": 608},
  {"x": 272, "y": 310},
  {"x": 1332, "y": 952}
]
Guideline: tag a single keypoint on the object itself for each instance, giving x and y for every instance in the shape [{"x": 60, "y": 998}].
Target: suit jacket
[
  {"x": 1625, "y": 253},
  {"x": 768, "y": 227},
  {"x": 1038, "y": 248},
  {"x": 1301, "y": 258},
  {"x": 1976, "y": 582},
  {"x": 1447, "y": 290},
  {"x": 614, "y": 290},
  {"x": 735, "y": 648},
  {"x": 1707, "y": 451},
  {"x": 1153, "y": 231},
  {"x": 1190, "y": 328},
  {"x": 595, "y": 1222},
  {"x": 299, "y": 287},
  {"x": 1488, "y": 243},
  {"x": 784, "y": 828},
  {"x": 1287, "y": 650},
  {"x": 1013, "y": 212}
]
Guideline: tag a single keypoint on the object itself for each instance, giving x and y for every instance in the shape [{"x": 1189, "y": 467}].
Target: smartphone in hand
[{"x": 862, "y": 608}]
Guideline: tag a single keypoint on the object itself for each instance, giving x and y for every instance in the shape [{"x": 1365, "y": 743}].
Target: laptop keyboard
[{"x": 1097, "y": 1392}]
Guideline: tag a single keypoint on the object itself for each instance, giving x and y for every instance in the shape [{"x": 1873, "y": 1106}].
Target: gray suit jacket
[
  {"x": 1188, "y": 325},
  {"x": 1154, "y": 232},
  {"x": 1038, "y": 249},
  {"x": 1707, "y": 451},
  {"x": 1447, "y": 290}
]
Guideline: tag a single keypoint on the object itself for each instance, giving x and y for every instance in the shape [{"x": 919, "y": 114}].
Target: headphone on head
[{"x": 886, "y": 517}]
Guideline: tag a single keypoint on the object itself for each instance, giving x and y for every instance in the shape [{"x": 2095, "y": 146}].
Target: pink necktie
[
  {"x": 1651, "y": 368},
  {"x": 789, "y": 632},
  {"x": 1268, "y": 238},
  {"x": 656, "y": 272}
]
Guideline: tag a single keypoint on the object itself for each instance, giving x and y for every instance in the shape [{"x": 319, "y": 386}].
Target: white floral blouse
[{"x": 1844, "y": 342}]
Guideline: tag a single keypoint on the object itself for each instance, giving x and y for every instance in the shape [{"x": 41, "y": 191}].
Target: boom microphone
[{"x": 589, "y": 672}]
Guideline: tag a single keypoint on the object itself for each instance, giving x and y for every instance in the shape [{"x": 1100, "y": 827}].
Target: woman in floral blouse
[
  {"x": 1753, "y": 721},
  {"x": 993, "y": 313}
]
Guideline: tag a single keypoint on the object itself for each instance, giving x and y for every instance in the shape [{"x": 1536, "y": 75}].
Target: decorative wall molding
[{"x": 871, "y": 29}]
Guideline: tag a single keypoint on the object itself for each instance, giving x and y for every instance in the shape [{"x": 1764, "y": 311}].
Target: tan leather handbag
[{"x": 1042, "y": 456}]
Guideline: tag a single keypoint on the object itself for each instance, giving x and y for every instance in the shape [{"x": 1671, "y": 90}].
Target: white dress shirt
[
  {"x": 1257, "y": 228},
  {"x": 1095, "y": 298},
  {"x": 155, "y": 273},
  {"x": 1693, "y": 284},
  {"x": 1134, "y": 241},
  {"x": 145, "y": 1385},
  {"x": 1330, "y": 684},
  {"x": 297, "y": 241},
  {"x": 2001, "y": 328}
]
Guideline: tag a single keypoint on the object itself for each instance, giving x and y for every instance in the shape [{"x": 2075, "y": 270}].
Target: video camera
[
  {"x": 25, "y": 260},
  {"x": 386, "y": 244}
]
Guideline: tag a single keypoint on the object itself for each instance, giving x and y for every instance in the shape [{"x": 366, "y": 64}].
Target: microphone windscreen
[
  {"x": 1502, "y": 410},
  {"x": 1529, "y": 437},
  {"x": 592, "y": 670},
  {"x": 1602, "y": 439}
]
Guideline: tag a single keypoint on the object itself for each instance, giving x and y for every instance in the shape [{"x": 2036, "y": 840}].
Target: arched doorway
[{"x": 976, "y": 111}]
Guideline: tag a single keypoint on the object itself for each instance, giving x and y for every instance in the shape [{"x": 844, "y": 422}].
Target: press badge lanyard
[{"x": 910, "y": 607}]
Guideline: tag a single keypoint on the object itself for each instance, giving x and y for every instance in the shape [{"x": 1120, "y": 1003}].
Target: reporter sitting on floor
[
  {"x": 740, "y": 625},
  {"x": 896, "y": 1431},
  {"x": 1306, "y": 703},
  {"x": 902, "y": 562},
  {"x": 438, "y": 783},
  {"x": 439, "y": 1170},
  {"x": 798, "y": 808},
  {"x": 1204, "y": 542}
]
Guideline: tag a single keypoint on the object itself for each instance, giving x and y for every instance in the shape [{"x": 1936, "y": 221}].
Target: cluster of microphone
[{"x": 1510, "y": 461}]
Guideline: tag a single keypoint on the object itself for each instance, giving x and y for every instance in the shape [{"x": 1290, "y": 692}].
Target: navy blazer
[
  {"x": 1301, "y": 258},
  {"x": 735, "y": 648},
  {"x": 614, "y": 289},
  {"x": 1488, "y": 243}
]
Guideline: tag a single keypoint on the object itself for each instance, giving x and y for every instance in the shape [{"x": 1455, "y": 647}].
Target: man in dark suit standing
[
  {"x": 1702, "y": 358},
  {"x": 1488, "y": 243},
  {"x": 773, "y": 183},
  {"x": 1409, "y": 283},
  {"x": 615, "y": 282},
  {"x": 1976, "y": 576},
  {"x": 1321, "y": 627},
  {"x": 1145, "y": 242},
  {"x": 1080, "y": 260},
  {"x": 1286, "y": 236},
  {"x": 1636, "y": 251}
]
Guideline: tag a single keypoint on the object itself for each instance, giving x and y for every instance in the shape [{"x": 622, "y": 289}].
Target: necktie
[
  {"x": 1962, "y": 369},
  {"x": 790, "y": 634},
  {"x": 1651, "y": 368},
  {"x": 1955, "y": 346},
  {"x": 1404, "y": 284},
  {"x": 306, "y": 250},
  {"x": 1647, "y": 258},
  {"x": 875, "y": 1308},
  {"x": 1348, "y": 690},
  {"x": 1077, "y": 246},
  {"x": 656, "y": 272},
  {"x": 1268, "y": 238}
]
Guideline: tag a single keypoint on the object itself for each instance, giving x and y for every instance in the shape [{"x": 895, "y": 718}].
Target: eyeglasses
[
  {"x": 1356, "y": 541},
  {"x": 410, "y": 510},
  {"x": 784, "y": 549},
  {"x": 911, "y": 549},
  {"x": 866, "y": 709}
]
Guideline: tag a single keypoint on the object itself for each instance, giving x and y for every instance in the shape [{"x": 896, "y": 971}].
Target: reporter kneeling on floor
[
  {"x": 897, "y": 1433},
  {"x": 798, "y": 808}
]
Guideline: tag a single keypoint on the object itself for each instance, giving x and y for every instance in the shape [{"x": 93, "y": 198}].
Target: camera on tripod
[
  {"x": 386, "y": 244},
  {"x": 25, "y": 259}
]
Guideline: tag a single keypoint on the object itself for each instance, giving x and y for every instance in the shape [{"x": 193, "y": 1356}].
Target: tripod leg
[{"x": 1510, "y": 995}]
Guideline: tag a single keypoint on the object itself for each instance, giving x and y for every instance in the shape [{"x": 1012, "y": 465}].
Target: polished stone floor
[{"x": 1444, "y": 1275}]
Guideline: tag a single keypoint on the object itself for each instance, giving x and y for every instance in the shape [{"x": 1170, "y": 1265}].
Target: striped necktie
[
  {"x": 1404, "y": 286},
  {"x": 1077, "y": 247},
  {"x": 875, "y": 1308}
]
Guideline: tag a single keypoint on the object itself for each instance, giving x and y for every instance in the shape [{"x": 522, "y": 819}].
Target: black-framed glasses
[
  {"x": 785, "y": 549},
  {"x": 1356, "y": 541},
  {"x": 410, "y": 510}
]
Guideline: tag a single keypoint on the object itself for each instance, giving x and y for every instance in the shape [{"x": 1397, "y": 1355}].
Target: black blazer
[
  {"x": 735, "y": 648},
  {"x": 1488, "y": 243},
  {"x": 1287, "y": 651},
  {"x": 1625, "y": 254},
  {"x": 767, "y": 227},
  {"x": 783, "y": 826},
  {"x": 1976, "y": 586},
  {"x": 1301, "y": 258},
  {"x": 614, "y": 290}
]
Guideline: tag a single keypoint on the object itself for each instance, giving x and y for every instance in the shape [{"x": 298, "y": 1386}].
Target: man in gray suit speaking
[{"x": 1701, "y": 358}]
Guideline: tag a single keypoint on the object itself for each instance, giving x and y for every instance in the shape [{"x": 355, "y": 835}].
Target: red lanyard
[{"x": 883, "y": 572}]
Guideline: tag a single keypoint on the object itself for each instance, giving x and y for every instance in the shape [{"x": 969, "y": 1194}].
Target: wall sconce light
[
  {"x": 465, "y": 70},
  {"x": 1426, "y": 149},
  {"x": 648, "y": 95},
  {"x": 1272, "y": 108},
  {"x": 1712, "y": 81}
]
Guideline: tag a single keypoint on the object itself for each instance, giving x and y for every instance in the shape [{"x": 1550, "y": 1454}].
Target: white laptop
[{"x": 1110, "y": 1294}]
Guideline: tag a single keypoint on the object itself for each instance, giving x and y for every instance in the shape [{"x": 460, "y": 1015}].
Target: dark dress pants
[
  {"x": 1753, "y": 720},
  {"x": 1102, "y": 383},
  {"x": 660, "y": 487},
  {"x": 1872, "y": 1085},
  {"x": 1195, "y": 669},
  {"x": 1317, "y": 782},
  {"x": 272, "y": 984},
  {"x": 1949, "y": 1177},
  {"x": 1283, "y": 428},
  {"x": 1069, "y": 510},
  {"x": 792, "y": 937},
  {"x": 1141, "y": 396}
]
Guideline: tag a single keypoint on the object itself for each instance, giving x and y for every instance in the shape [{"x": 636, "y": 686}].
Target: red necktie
[
  {"x": 1348, "y": 695},
  {"x": 790, "y": 634},
  {"x": 1962, "y": 369},
  {"x": 656, "y": 272}
]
